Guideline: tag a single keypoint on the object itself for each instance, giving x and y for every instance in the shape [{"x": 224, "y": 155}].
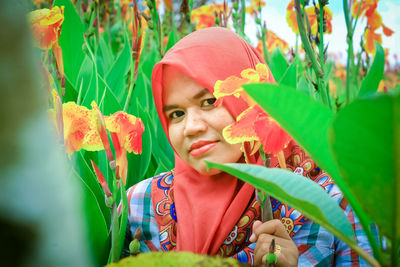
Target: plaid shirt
[{"x": 316, "y": 245}]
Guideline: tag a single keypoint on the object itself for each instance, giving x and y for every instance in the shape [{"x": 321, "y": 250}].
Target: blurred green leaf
[
  {"x": 371, "y": 81},
  {"x": 116, "y": 76},
  {"x": 278, "y": 64},
  {"x": 304, "y": 87},
  {"x": 173, "y": 38},
  {"x": 97, "y": 228},
  {"x": 366, "y": 143},
  {"x": 71, "y": 40},
  {"x": 106, "y": 52},
  {"x": 298, "y": 192}
]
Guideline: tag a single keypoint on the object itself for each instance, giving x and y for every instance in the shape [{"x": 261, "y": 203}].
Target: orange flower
[
  {"x": 291, "y": 17},
  {"x": 233, "y": 85},
  {"x": 254, "y": 6},
  {"x": 46, "y": 26},
  {"x": 367, "y": 7},
  {"x": 79, "y": 131},
  {"x": 253, "y": 124},
  {"x": 370, "y": 37},
  {"x": 374, "y": 21},
  {"x": 126, "y": 133},
  {"x": 387, "y": 31},
  {"x": 204, "y": 16},
  {"x": 312, "y": 17},
  {"x": 310, "y": 11},
  {"x": 272, "y": 42}
]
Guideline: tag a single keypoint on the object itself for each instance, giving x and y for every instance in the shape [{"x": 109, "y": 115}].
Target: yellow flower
[
  {"x": 204, "y": 16},
  {"x": 46, "y": 26}
]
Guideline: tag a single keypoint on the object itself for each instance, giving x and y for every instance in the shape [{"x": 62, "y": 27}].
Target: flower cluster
[
  {"x": 254, "y": 124},
  {"x": 46, "y": 29},
  {"x": 204, "y": 16},
  {"x": 368, "y": 9},
  {"x": 82, "y": 128},
  {"x": 273, "y": 41},
  {"x": 312, "y": 17}
]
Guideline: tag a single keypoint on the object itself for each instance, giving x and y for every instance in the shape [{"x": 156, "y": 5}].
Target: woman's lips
[{"x": 201, "y": 147}]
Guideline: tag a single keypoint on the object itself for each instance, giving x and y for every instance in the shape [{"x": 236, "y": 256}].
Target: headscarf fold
[{"x": 207, "y": 207}]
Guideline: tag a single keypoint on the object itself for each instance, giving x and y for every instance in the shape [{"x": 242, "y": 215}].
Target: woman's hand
[{"x": 263, "y": 233}]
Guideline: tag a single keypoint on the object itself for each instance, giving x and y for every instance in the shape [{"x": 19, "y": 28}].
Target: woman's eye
[
  {"x": 176, "y": 114},
  {"x": 209, "y": 101}
]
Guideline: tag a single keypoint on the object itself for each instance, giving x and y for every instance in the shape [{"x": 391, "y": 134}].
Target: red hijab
[{"x": 207, "y": 207}]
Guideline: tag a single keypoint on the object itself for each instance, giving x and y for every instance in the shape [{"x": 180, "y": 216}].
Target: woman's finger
[{"x": 273, "y": 227}]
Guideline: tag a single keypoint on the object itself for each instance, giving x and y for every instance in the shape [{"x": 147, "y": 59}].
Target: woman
[{"x": 207, "y": 211}]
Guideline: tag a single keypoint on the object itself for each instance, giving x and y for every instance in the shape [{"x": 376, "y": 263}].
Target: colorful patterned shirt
[{"x": 316, "y": 245}]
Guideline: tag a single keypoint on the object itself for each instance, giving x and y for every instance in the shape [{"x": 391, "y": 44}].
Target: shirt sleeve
[
  {"x": 318, "y": 247},
  {"x": 141, "y": 213}
]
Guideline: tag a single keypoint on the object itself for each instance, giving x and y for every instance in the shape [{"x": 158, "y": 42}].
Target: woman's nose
[{"x": 195, "y": 123}]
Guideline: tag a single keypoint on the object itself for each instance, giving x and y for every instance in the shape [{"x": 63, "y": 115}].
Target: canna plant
[
  {"x": 108, "y": 51},
  {"x": 342, "y": 140}
]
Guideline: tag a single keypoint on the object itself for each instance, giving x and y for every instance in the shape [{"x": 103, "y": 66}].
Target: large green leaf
[
  {"x": 296, "y": 191},
  {"x": 366, "y": 143},
  {"x": 97, "y": 227},
  {"x": 71, "y": 40},
  {"x": 307, "y": 121},
  {"x": 278, "y": 64},
  {"x": 371, "y": 81}
]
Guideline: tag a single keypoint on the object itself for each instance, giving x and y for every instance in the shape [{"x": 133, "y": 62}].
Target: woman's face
[{"x": 195, "y": 124}]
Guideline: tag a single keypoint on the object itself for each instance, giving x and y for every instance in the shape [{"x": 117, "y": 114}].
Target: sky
[{"x": 274, "y": 13}]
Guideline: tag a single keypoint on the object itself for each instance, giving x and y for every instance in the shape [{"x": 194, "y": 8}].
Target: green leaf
[
  {"x": 106, "y": 53},
  {"x": 86, "y": 81},
  {"x": 307, "y": 121},
  {"x": 138, "y": 164},
  {"x": 371, "y": 81},
  {"x": 298, "y": 192},
  {"x": 108, "y": 103},
  {"x": 366, "y": 143},
  {"x": 70, "y": 93},
  {"x": 71, "y": 40},
  {"x": 173, "y": 38},
  {"x": 85, "y": 172},
  {"x": 96, "y": 225},
  {"x": 278, "y": 64},
  {"x": 304, "y": 87},
  {"x": 289, "y": 78},
  {"x": 123, "y": 217},
  {"x": 115, "y": 77}
]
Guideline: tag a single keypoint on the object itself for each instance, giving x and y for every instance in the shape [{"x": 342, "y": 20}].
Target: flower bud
[{"x": 134, "y": 247}]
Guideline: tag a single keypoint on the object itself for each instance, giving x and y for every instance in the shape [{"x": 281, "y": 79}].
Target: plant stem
[
  {"x": 350, "y": 50},
  {"x": 243, "y": 13},
  {"x": 307, "y": 46},
  {"x": 311, "y": 55}
]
